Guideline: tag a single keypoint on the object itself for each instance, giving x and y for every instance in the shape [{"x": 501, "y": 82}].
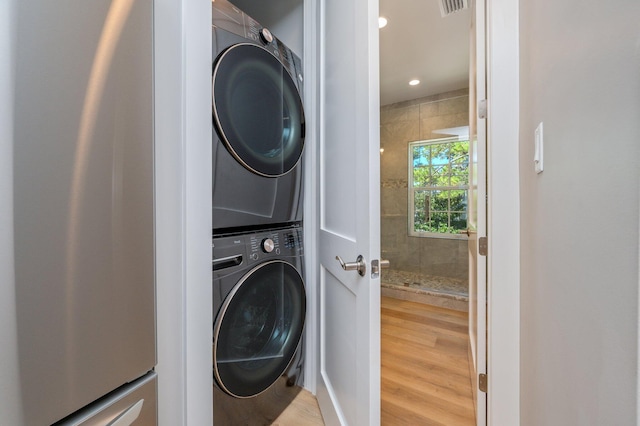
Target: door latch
[{"x": 377, "y": 265}]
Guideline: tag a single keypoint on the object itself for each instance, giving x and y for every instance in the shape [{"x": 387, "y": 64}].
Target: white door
[
  {"x": 349, "y": 226},
  {"x": 478, "y": 208}
]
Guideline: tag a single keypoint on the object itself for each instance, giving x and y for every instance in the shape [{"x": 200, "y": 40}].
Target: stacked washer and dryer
[{"x": 259, "y": 300}]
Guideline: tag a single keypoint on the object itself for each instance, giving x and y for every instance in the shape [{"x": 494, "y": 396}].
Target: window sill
[{"x": 439, "y": 236}]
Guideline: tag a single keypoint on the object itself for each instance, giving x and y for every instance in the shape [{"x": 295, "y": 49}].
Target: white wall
[
  {"x": 10, "y": 405},
  {"x": 580, "y": 75}
]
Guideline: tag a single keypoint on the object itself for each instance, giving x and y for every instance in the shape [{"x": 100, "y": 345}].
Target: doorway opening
[
  {"x": 424, "y": 168},
  {"x": 425, "y": 371}
]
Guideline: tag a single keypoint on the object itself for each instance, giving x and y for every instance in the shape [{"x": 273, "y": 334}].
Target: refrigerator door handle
[{"x": 129, "y": 416}]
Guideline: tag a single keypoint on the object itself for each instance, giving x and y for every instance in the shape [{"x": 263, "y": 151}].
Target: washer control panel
[
  {"x": 278, "y": 243},
  {"x": 239, "y": 251},
  {"x": 268, "y": 245}
]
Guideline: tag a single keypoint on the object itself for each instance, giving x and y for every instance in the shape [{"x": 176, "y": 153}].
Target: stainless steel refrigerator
[{"x": 84, "y": 212}]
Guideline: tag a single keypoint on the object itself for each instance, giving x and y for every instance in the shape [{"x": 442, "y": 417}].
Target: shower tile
[
  {"x": 454, "y": 106},
  {"x": 429, "y": 109},
  {"x": 393, "y": 201},
  {"x": 393, "y": 163},
  {"x": 393, "y": 115}
]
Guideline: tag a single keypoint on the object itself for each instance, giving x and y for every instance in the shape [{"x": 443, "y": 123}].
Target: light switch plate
[{"x": 538, "y": 156}]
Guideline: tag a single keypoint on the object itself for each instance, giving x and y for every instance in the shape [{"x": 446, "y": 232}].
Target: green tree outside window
[{"x": 438, "y": 186}]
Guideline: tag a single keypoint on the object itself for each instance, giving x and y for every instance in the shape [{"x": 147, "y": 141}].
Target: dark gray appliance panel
[{"x": 245, "y": 196}]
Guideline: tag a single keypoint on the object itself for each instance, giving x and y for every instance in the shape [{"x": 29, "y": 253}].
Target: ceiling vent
[{"x": 447, "y": 7}]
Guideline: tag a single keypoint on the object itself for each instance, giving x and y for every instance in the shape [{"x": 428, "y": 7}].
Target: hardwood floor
[
  {"x": 425, "y": 369},
  {"x": 280, "y": 405},
  {"x": 303, "y": 410}
]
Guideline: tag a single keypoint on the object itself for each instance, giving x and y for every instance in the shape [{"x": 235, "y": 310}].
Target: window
[{"x": 438, "y": 188}]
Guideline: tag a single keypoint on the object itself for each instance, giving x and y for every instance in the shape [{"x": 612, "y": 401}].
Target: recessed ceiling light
[
  {"x": 414, "y": 82},
  {"x": 382, "y": 22}
]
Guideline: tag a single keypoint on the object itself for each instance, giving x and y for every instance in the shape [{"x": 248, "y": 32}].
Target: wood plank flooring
[
  {"x": 280, "y": 405},
  {"x": 303, "y": 410},
  {"x": 425, "y": 370}
]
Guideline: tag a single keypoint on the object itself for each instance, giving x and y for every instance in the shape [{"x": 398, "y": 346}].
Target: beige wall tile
[
  {"x": 395, "y": 115},
  {"x": 393, "y": 202},
  {"x": 455, "y": 105},
  {"x": 429, "y": 109}
]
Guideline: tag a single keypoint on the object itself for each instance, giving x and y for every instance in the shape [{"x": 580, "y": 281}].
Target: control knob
[
  {"x": 266, "y": 35},
  {"x": 267, "y": 245}
]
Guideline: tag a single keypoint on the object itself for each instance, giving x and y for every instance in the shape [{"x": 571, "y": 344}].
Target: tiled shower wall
[{"x": 400, "y": 124}]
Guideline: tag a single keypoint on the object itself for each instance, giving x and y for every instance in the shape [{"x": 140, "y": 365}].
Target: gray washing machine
[
  {"x": 259, "y": 124},
  {"x": 259, "y": 306}
]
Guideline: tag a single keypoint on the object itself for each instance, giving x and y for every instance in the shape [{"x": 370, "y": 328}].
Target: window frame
[{"x": 411, "y": 191}]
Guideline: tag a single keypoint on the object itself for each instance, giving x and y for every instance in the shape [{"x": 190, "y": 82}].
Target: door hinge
[
  {"x": 483, "y": 246},
  {"x": 482, "y": 382},
  {"x": 482, "y": 108}
]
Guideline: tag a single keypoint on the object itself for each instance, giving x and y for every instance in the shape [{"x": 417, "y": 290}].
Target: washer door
[
  {"x": 258, "y": 329},
  {"x": 257, "y": 110}
]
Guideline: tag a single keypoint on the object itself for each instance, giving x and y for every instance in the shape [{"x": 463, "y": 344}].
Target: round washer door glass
[
  {"x": 257, "y": 110},
  {"x": 258, "y": 329}
]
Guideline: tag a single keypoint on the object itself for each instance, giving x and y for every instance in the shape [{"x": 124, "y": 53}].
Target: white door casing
[
  {"x": 478, "y": 207},
  {"x": 183, "y": 132},
  {"x": 348, "y": 385},
  {"x": 503, "y": 213}
]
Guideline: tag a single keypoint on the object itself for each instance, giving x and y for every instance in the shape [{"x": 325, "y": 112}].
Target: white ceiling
[{"x": 418, "y": 43}]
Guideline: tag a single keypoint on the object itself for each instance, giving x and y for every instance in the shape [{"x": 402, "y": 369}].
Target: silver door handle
[{"x": 359, "y": 265}]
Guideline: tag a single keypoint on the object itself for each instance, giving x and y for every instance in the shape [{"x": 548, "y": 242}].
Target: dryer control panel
[{"x": 228, "y": 17}]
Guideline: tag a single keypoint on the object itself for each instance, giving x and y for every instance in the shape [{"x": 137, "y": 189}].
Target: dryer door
[
  {"x": 257, "y": 110},
  {"x": 258, "y": 329}
]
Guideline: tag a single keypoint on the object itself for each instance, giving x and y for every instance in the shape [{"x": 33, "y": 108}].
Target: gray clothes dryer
[
  {"x": 259, "y": 306},
  {"x": 259, "y": 124}
]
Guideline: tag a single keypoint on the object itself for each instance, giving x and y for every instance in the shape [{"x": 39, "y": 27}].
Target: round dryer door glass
[
  {"x": 257, "y": 110},
  {"x": 258, "y": 329}
]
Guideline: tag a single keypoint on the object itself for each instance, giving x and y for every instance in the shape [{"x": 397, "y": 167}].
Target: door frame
[
  {"x": 10, "y": 395},
  {"x": 503, "y": 213},
  {"x": 477, "y": 262},
  {"x": 183, "y": 196},
  {"x": 311, "y": 61}
]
